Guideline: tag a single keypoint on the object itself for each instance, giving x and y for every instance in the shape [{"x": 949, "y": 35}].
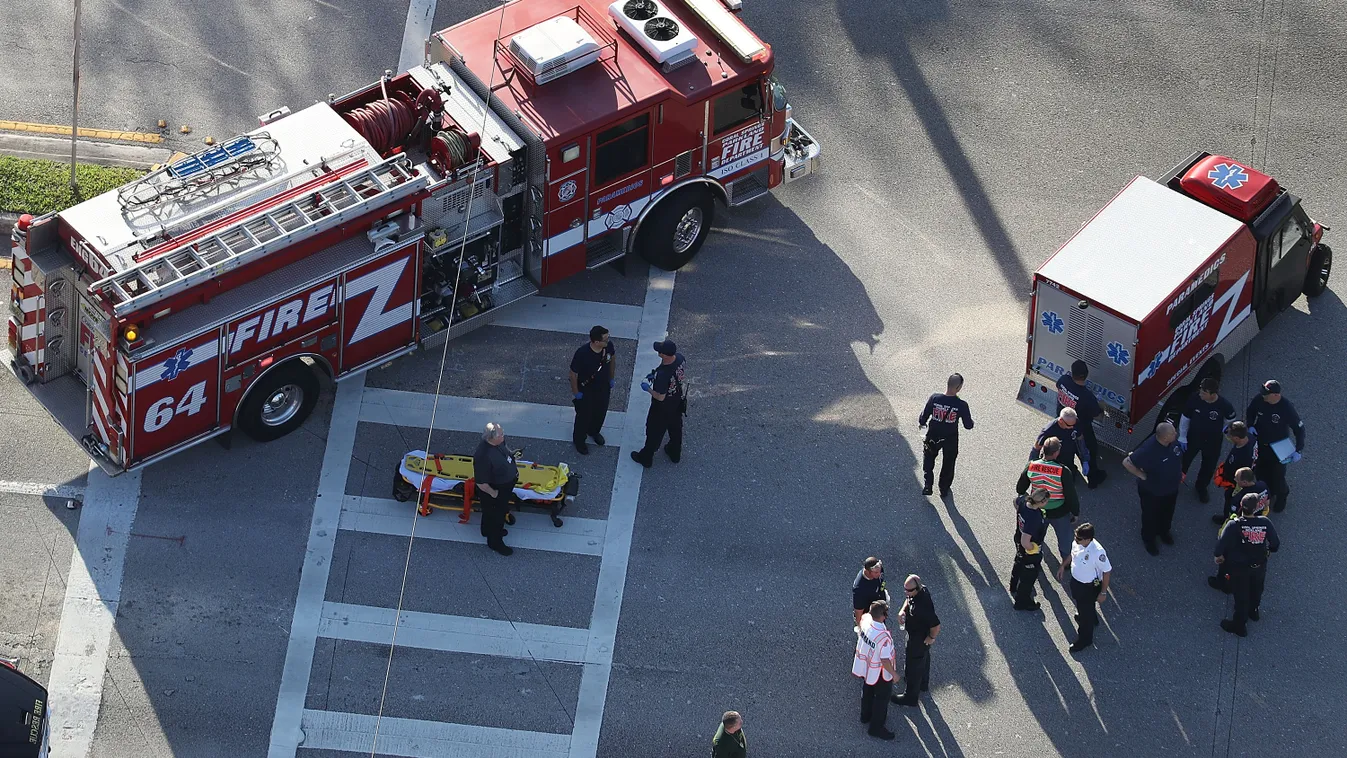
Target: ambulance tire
[
  {"x": 279, "y": 402},
  {"x": 676, "y": 228},
  {"x": 1321, "y": 265}
]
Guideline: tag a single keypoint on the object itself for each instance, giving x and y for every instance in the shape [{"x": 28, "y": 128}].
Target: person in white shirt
[
  {"x": 876, "y": 668},
  {"x": 1090, "y": 571}
]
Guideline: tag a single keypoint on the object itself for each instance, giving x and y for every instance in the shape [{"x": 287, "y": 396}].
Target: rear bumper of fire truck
[
  {"x": 66, "y": 400},
  {"x": 801, "y": 152}
]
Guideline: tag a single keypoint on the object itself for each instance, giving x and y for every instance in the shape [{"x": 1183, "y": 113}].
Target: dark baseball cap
[
  {"x": 667, "y": 347},
  {"x": 1271, "y": 387}
]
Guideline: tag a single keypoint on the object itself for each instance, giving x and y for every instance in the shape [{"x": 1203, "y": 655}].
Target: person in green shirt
[{"x": 729, "y": 741}]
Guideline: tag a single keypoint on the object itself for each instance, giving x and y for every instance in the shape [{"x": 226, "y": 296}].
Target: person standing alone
[
  {"x": 729, "y": 741},
  {"x": 592, "y": 372},
  {"x": 944, "y": 412}
]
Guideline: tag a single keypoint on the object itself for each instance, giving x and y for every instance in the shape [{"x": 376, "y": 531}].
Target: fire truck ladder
[{"x": 200, "y": 259}]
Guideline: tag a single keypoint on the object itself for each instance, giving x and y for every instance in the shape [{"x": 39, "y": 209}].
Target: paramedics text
[{"x": 1048, "y": 368}]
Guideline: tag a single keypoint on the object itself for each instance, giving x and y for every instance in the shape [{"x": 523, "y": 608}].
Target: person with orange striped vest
[
  {"x": 876, "y": 666},
  {"x": 1060, "y": 481}
]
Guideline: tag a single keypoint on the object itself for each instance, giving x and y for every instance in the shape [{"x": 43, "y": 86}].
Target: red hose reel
[{"x": 388, "y": 123}]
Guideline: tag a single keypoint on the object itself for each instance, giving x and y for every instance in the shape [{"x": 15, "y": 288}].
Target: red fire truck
[
  {"x": 538, "y": 140},
  {"x": 1163, "y": 286}
]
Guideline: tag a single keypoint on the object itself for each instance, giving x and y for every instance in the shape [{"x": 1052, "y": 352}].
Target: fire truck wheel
[
  {"x": 1321, "y": 265},
  {"x": 279, "y": 402},
  {"x": 676, "y": 229}
]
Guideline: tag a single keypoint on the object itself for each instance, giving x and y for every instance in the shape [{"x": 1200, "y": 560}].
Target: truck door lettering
[
  {"x": 1196, "y": 325},
  {"x": 277, "y": 320},
  {"x": 375, "y": 319},
  {"x": 318, "y": 304},
  {"x": 162, "y": 411},
  {"x": 1230, "y": 300}
]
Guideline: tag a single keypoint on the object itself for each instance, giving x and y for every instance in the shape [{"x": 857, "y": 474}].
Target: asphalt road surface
[{"x": 964, "y": 142}]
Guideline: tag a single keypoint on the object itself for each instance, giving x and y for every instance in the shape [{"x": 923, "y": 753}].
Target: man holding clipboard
[{"x": 1281, "y": 437}]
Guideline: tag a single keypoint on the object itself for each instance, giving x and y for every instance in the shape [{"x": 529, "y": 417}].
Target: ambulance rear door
[{"x": 1068, "y": 327}]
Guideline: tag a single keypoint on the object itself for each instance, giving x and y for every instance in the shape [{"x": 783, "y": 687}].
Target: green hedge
[{"x": 38, "y": 186}]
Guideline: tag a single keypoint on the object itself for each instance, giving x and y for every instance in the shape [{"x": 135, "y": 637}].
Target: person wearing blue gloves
[
  {"x": 1202, "y": 430},
  {"x": 591, "y": 386},
  {"x": 668, "y": 403}
]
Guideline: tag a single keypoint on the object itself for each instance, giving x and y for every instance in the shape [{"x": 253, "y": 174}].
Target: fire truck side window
[
  {"x": 738, "y": 107},
  {"x": 621, "y": 149}
]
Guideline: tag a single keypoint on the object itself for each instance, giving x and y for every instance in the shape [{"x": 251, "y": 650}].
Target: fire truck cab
[
  {"x": 1164, "y": 285},
  {"x": 538, "y": 140}
]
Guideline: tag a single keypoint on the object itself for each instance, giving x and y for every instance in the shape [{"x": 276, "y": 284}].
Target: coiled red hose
[{"x": 385, "y": 124}]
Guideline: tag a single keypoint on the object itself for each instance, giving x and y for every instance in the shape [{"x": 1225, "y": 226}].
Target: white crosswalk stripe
[
  {"x": 531, "y": 531},
  {"x": 470, "y": 414},
  {"x": 574, "y": 316},
  {"x": 454, "y": 634},
  {"x": 354, "y": 732}
]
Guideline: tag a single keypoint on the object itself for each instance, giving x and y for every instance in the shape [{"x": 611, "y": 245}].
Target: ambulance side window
[
  {"x": 1287, "y": 239},
  {"x": 737, "y": 107},
  {"x": 621, "y": 149}
]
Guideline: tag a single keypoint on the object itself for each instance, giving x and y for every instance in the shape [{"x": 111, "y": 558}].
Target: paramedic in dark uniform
[
  {"x": 1242, "y": 550},
  {"x": 918, "y": 618},
  {"x": 493, "y": 468},
  {"x": 1073, "y": 392},
  {"x": 1031, "y": 528},
  {"x": 1243, "y": 454},
  {"x": 1205, "y": 417},
  {"x": 868, "y": 587},
  {"x": 1273, "y": 419},
  {"x": 1246, "y": 483},
  {"x": 667, "y": 395},
  {"x": 592, "y": 372},
  {"x": 944, "y": 412},
  {"x": 1158, "y": 466},
  {"x": 1066, "y": 428}
]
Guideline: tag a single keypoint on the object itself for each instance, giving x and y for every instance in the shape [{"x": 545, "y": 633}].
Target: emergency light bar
[{"x": 728, "y": 28}]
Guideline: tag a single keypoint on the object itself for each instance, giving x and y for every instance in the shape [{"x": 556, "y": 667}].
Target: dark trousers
[
  {"x": 875, "y": 703},
  {"x": 590, "y": 412},
  {"x": 1096, "y": 465},
  {"x": 1246, "y": 584},
  {"x": 1273, "y": 474},
  {"x": 1157, "y": 514},
  {"x": 933, "y": 447},
  {"x": 1210, "y": 450},
  {"x": 1024, "y": 575},
  {"x": 917, "y": 668},
  {"x": 1085, "y": 596},
  {"x": 665, "y": 417},
  {"x": 493, "y": 513}
]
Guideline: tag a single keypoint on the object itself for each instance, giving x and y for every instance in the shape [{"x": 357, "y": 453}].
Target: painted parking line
[
  {"x": 617, "y": 538},
  {"x": 354, "y": 732},
  {"x": 70, "y": 491},
  {"x": 554, "y": 314},
  {"x": 469, "y": 414},
  {"x": 285, "y": 727},
  {"x": 93, "y": 594},
  {"x": 454, "y": 634},
  {"x": 531, "y": 531}
]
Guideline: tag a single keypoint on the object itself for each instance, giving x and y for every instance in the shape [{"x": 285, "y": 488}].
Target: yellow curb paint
[
  {"x": 108, "y": 134},
  {"x": 5, "y": 263}
]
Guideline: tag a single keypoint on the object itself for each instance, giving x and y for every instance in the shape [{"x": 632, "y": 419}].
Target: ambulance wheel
[
  {"x": 677, "y": 228},
  {"x": 1321, "y": 265},
  {"x": 279, "y": 402}
]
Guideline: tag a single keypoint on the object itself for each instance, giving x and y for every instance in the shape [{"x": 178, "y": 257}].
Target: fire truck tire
[
  {"x": 279, "y": 402},
  {"x": 676, "y": 228},
  {"x": 1321, "y": 265}
]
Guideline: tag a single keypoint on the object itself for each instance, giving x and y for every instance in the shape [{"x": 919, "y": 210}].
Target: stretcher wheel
[
  {"x": 400, "y": 496},
  {"x": 556, "y": 520},
  {"x": 509, "y": 518}
]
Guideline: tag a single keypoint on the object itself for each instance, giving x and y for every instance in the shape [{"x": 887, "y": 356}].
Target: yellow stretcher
[{"x": 445, "y": 482}]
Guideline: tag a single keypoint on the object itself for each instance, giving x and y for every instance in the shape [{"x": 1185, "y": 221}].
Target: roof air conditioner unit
[
  {"x": 656, "y": 30},
  {"x": 554, "y": 48}
]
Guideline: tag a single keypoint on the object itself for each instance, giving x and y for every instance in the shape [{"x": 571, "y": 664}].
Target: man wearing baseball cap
[
  {"x": 668, "y": 396},
  {"x": 1274, "y": 419}
]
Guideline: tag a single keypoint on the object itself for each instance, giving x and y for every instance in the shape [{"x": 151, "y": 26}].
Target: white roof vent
[
  {"x": 656, "y": 30},
  {"x": 554, "y": 48}
]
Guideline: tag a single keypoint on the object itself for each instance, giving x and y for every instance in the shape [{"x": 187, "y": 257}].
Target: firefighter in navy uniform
[
  {"x": 1243, "y": 454},
  {"x": 668, "y": 396},
  {"x": 944, "y": 412},
  {"x": 1067, "y": 429},
  {"x": 1031, "y": 528},
  {"x": 1245, "y": 483},
  {"x": 1205, "y": 417},
  {"x": 1073, "y": 392},
  {"x": 592, "y": 372},
  {"x": 1242, "y": 550},
  {"x": 1273, "y": 419}
]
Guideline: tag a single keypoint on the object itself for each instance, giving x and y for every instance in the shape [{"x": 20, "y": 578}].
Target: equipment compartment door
[
  {"x": 176, "y": 395},
  {"x": 379, "y": 303}
]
